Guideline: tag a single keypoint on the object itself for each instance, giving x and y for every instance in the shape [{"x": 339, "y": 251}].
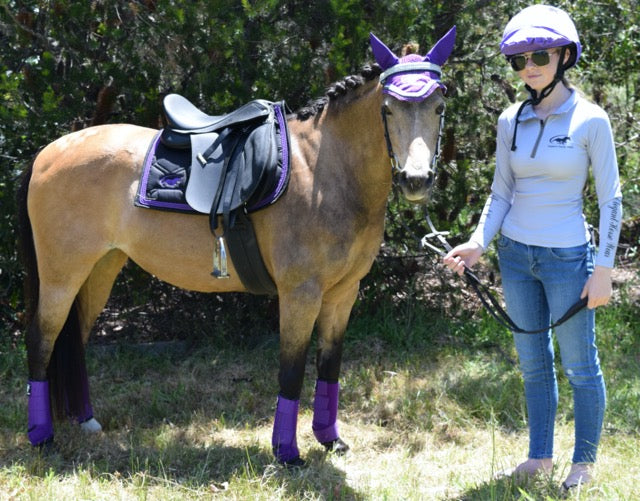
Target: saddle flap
[
  {"x": 227, "y": 167},
  {"x": 204, "y": 179}
]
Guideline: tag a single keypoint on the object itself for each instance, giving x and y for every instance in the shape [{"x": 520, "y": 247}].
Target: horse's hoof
[
  {"x": 294, "y": 463},
  {"x": 336, "y": 446},
  {"x": 91, "y": 426},
  {"x": 46, "y": 448}
]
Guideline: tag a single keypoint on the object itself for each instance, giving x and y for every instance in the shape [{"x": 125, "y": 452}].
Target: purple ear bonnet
[
  {"x": 413, "y": 77},
  {"x": 539, "y": 27}
]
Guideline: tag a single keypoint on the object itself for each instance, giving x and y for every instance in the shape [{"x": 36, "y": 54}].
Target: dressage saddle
[{"x": 234, "y": 157}]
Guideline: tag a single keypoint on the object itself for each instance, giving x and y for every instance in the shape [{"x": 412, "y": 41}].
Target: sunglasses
[{"x": 539, "y": 58}]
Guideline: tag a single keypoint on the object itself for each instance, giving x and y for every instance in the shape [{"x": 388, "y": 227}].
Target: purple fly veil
[{"x": 413, "y": 77}]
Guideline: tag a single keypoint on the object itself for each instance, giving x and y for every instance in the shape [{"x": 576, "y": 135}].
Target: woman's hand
[
  {"x": 462, "y": 255},
  {"x": 598, "y": 287}
]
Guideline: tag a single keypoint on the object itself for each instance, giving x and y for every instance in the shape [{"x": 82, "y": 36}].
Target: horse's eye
[
  {"x": 440, "y": 109},
  {"x": 386, "y": 109}
]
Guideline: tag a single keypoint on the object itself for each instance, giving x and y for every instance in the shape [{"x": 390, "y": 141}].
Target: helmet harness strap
[{"x": 537, "y": 98}]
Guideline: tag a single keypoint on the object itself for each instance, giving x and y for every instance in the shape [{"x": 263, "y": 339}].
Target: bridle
[
  {"x": 395, "y": 163},
  {"x": 406, "y": 68}
]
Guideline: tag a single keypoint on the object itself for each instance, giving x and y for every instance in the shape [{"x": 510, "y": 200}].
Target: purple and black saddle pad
[{"x": 229, "y": 166}]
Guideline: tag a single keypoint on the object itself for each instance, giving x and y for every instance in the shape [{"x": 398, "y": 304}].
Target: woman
[{"x": 544, "y": 149}]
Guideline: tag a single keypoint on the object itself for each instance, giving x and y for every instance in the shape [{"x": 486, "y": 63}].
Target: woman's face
[{"x": 538, "y": 77}]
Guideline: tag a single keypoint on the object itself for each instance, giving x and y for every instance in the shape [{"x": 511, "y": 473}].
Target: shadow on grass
[{"x": 127, "y": 458}]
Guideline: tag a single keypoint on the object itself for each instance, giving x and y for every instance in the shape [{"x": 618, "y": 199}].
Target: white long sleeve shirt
[{"x": 537, "y": 191}]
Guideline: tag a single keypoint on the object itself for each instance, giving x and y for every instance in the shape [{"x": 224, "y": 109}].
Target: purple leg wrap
[
  {"x": 283, "y": 439},
  {"x": 40, "y": 427},
  {"x": 325, "y": 411}
]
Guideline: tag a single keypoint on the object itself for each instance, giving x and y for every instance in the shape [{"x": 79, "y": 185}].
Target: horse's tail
[
  {"x": 67, "y": 372},
  {"x": 26, "y": 248}
]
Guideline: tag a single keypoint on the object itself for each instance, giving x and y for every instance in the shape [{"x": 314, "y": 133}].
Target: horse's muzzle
[{"x": 416, "y": 184}]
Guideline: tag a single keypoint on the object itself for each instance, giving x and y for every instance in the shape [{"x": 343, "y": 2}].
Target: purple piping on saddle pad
[
  {"x": 284, "y": 174},
  {"x": 40, "y": 424},
  {"x": 142, "y": 190},
  {"x": 325, "y": 411},
  {"x": 283, "y": 439}
]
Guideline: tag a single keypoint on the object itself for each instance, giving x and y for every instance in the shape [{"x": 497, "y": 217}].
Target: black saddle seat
[{"x": 183, "y": 116}]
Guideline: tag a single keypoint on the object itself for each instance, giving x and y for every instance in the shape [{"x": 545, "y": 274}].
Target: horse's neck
[{"x": 355, "y": 131}]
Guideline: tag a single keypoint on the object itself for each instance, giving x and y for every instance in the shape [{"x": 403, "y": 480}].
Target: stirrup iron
[{"x": 220, "y": 259}]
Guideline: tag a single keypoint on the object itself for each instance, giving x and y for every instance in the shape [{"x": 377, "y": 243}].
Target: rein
[{"x": 483, "y": 292}]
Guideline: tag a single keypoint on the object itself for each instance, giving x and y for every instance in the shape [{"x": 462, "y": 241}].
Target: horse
[{"x": 79, "y": 225}]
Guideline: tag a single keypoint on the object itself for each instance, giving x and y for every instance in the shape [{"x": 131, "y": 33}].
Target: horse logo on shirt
[{"x": 561, "y": 141}]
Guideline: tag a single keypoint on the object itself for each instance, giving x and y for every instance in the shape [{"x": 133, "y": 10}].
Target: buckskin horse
[{"x": 79, "y": 225}]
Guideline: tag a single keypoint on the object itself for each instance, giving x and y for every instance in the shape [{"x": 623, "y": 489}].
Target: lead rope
[{"x": 485, "y": 295}]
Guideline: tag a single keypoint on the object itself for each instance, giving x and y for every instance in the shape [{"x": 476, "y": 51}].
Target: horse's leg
[
  {"x": 332, "y": 323},
  {"x": 96, "y": 290},
  {"x": 298, "y": 312},
  {"x": 55, "y": 350},
  {"x": 55, "y": 318},
  {"x": 90, "y": 302}
]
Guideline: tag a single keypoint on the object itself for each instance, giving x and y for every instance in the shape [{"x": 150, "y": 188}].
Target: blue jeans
[{"x": 540, "y": 284}]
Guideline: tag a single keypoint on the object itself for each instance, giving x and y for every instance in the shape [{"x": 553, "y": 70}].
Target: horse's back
[{"x": 75, "y": 154}]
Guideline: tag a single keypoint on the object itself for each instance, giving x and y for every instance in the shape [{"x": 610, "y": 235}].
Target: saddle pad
[{"x": 163, "y": 183}]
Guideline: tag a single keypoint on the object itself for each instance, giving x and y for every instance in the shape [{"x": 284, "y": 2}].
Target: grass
[{"x": 431, "y": 405}]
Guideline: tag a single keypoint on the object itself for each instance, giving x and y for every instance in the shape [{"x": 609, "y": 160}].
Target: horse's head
[{"x": 413, "y": 113}]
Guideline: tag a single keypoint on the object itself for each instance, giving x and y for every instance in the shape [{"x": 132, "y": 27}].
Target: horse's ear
[
  {"x": 384, "y": 57},
  {"x": 441, "y": 51}
]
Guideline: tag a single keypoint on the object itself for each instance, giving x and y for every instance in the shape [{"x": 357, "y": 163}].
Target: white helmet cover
[{"x": 540, "y": 27}]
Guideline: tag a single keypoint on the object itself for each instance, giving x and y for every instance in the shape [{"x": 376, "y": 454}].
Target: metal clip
[{"x": 219, "y": 259}]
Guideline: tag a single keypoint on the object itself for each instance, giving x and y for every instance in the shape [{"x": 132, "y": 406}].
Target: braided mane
[{"x": 338, "y": 89}]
